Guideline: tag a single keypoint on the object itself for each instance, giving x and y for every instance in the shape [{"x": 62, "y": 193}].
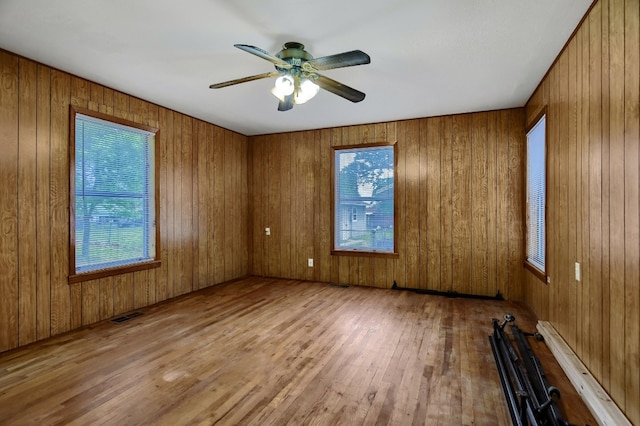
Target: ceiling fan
[{"x": 297, "y": 74}]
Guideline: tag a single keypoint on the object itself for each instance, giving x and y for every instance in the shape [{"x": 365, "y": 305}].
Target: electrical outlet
[
  {"x": 267, "y": 231},
  {"x": 310, "y": 263},
  {"x": 578, "y": 272}
]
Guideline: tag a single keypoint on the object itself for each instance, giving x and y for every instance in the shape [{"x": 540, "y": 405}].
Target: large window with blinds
[
  {"x": 364, "y": 199},
  {"x": 536, "y": 196},
  {"x": 114, "y": 226}
]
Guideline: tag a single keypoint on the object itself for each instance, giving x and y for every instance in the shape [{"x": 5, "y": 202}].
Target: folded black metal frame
[{"x": 530, "y": 398}]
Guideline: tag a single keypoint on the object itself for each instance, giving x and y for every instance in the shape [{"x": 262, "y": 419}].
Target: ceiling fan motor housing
[{"x": 294, "y": 53}]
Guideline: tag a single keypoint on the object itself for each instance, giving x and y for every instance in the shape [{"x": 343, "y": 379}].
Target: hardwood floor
[{"x": 265, "y": 352}]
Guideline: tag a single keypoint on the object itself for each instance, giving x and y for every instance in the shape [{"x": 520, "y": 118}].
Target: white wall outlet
[
  {"x": 310, "y": 263},
  {"x": 578, "y": 272},
  {"x": 267, "y": 231}
]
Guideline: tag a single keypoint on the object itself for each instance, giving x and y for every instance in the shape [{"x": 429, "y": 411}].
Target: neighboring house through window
[
  {"x": 364, "y": 207},
  {"x": 114, "y": 226}
]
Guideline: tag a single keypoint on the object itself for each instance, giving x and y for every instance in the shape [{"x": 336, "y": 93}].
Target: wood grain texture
[
  {"x": 37, "y": 301},
  {"x": 43, "y": 204},
  {"x": 27, "y": 187},
  {"x": 9, "y": 124},
  {"x": 632, "y": 208},
  {"x": 447, "y": 166},
  {"x": 592, "y": 93},
  {"x": 275, "y": 352}
]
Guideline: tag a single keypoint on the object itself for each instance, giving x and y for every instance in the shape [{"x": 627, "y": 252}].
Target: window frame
[
  {"x": 539, "y": 273},
  {"x": 360, "y": 252},
  {"x": 75, "y": 277}
]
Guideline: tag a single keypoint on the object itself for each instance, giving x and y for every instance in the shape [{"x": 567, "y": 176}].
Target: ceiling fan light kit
[{"x": 298, "y": 79}]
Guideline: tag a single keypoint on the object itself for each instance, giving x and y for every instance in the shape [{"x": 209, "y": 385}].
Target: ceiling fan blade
[
  {"x": 286, "y": 104},
  {"x": 340, "y": 60},
  {"x": 244, "y": 79},
  {"x": 264, "y": 55},
  {"x": 339, "y": 89}
]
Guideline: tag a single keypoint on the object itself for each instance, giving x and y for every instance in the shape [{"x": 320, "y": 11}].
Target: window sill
[
  {"x": 362, "y": 253},
  {"x": 102, "y": 273},
  {"x": 541, "y": 275}
]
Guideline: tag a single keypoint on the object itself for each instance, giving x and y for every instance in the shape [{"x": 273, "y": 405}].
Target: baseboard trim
[{"x": 603, "y": 408}]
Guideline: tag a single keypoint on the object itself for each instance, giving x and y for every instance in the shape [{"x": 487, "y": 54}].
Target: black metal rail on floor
[{"x": 530, "y": 398}]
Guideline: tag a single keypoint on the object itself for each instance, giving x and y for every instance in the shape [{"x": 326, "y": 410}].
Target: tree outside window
[
  {"x": 364, "y": 199},
  {"x": 113, "y": 195}
]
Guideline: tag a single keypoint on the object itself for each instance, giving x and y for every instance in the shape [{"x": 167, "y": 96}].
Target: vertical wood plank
[
  {"x": 256, "y": 191},
  {"x": 60, "y": 289},
  {"x": 584, "y": 164},
  {"x": 195, "y": 204},
  {"x": 595, "y": 190},
  {"x": 577, "y": 107},
  {"x": 606, "y": 101},
  {"x": 178, "y": 198},
  {"x": 90, "y": 300},
  {"x": 106, "y": 298},
  {"x": 211, "y": 203},
  {"x": 162, "y": 291},
  {"x": 423, "y": 204},
  {"x": 43, "y": 169},
  {"x": 479, "y": 196},
  {"x": 9, "y": 113},
  {"x": 461, "y": 203},
  {"x": 446, "y": 210},
  {"x": 516, "y": 200},
  {"x": 202, "y": 229},
  {"x": 572, "y": 183},
  {"x": 229, "y": 197},
  {"x": 219, "y": 205},
  {"x": 27, "y": 190},
  {"x": 273, "y": 187},
  {"x": 308, "y": 191},
  {"x": 324, "y": 200},
  {"x": 617, "y": 202},
  {"x": 434, "y": 206},
  {"x": 412, "y": 197},
  {"x": 242, "y": 207},
  {"x": 632, "y": 208},
  {"x": 502, "y": 193},
  {"x": 492, "y": 203},
  {"x": 186, "y": 224}
]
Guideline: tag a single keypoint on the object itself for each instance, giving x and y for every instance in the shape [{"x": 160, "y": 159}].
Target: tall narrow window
[
  {"x": 536, "y": 195},
  {"x": 113, "y": 196},
  {"x": 364, "y": 199}
]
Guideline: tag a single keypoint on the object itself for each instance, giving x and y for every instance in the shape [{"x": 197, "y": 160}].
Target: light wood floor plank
[{"x": 273, "y": 352}]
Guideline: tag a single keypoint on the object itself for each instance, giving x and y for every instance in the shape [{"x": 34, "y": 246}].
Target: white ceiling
[{"x": 428, "y": 57}]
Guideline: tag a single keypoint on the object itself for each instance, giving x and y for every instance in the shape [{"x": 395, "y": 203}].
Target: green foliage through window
[
  {"x": 364, "y": 199},
  {"x": 114, "y": 197}
]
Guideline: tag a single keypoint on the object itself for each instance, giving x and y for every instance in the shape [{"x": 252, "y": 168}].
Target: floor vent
[
  {"x": 339, "y": 285},
  {"x": 126, "y": 317}
]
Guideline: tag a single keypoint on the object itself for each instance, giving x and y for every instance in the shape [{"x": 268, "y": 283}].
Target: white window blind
[
  {"x": 364, "y": 199},
  {"x": 114, "y": 195},
  {"x": 536, "y": 195}
]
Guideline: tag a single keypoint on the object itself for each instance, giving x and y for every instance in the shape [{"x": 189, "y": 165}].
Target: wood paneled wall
[
  {"x": 592, "y": 98},
  {"x": 460, "y": 204},
  {"x": 203, "y": 205}
]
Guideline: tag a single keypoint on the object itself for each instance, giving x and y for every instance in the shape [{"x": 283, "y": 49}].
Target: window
[
  {"x": 364, "y": 199},
  {"x": 536, "y": 196},
  {"x": 113, "y": 196}
]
